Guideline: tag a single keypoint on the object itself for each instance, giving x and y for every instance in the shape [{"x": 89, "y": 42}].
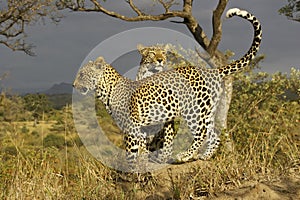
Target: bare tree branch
[
  {"x": 210, "y": 45},
  {"x": 19, "y": 46},
  {"x": 16, "y": 15},
  {"x": 167, "y": 5},
  {"x": 141, "y": 17},
  {"x": 135, "y": 8},
  {"x": 217, "y": 27}
]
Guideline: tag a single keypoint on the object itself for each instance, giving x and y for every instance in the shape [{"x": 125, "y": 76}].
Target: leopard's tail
[{"x": 243, "y": 61}]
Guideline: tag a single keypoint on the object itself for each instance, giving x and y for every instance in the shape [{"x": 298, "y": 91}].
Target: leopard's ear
[
  {"x": 141, "y": 48},
  {"x": 99, "y": 60},
  {"x": 167, "y": 47}
]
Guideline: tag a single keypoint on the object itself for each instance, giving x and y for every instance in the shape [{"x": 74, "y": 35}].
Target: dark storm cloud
[{"x": 61, "y": 48}]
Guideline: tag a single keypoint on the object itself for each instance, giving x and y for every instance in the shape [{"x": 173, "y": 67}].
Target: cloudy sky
[{"x": 62, "y": 48}]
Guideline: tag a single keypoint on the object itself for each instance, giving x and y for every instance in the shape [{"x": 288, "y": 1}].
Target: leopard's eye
[
  {"x": 151, "y": 54},
  {"x": 84, "y": 90}
]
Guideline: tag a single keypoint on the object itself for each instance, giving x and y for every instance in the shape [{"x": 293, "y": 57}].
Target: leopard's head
[
  {"x": 90, "y": 75},
  {"x": 155, "y": 55}
]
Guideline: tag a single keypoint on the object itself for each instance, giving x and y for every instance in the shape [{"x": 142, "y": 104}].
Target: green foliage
[
  {"x": 38, "y": 104},
  {"x": 10, "y": 150},
  {"x": 64, "y": 121},
  {"x": 264, "y": 114},
  {"x": 60, "y": 100},
  {"x": 28, "y": 107},
  {"x": 54, "y": 140},
  {"x": 12, "y": 108},
  {"x": 24, "y": 129},
  {"x": 35, "y": 133},
  {"x": 291, "y": 9},
  {"x": 74, "y": 141}
]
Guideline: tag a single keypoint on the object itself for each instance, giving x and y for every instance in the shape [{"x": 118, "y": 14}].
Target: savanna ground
[{"x": 48, "y": 161}]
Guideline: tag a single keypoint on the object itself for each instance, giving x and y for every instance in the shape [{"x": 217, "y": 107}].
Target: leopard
[
  {"x": 157, "y": 58},
  {"x": 189, "y": 92},
  {"x": 159, "y": 137},
  {"x": 154, "y": 59}
]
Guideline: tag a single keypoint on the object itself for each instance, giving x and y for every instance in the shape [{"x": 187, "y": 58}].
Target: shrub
[
  {"x": 54, "y": 140},
  {"x": 10, "y": 150},
  {"x": 24, "y": 129},
  {"x": 264, "y": 114},
  {"x": 35, "y": 133}
]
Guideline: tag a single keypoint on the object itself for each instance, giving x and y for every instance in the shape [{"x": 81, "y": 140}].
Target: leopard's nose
[{"x": 159, "y": 60}]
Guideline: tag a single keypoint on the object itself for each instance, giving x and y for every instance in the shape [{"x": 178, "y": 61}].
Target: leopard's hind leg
[{"x": 162, "y": 143}]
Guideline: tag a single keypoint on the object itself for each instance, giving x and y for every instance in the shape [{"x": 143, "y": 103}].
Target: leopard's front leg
[
  {"x": 136, "y": 147},
  {"x": 131, "y": 147}
]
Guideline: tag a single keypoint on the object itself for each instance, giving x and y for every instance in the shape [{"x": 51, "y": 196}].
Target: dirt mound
[
  {"x": 168, "y": 183},
  {"x": 252, "y": 191},
  {"x": 286, "y": 188}
]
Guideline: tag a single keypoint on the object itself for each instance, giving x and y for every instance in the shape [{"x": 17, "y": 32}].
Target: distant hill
[
  {"x": 61, "y": 88},
  {"x": 59, "y": 94}
]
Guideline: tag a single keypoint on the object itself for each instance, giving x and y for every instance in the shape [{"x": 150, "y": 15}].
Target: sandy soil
[{"x": 284, "y": 188}]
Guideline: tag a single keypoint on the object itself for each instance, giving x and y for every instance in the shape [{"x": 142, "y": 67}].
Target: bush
[
  {"x": 24, "y": 129},
  {"x": 74, "y": 141},
  {"x": 264, "y": 114},
  {"x": 35, "y": 133},
  {"x": 10, "y": 150},
  {"x": 54, "y": 140}
]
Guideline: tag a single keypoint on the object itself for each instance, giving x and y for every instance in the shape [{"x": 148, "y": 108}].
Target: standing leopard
[
  {"x": 159, "y": 137},
  {"x": 158, "y": 58},
  {"x": 189, "y": 92}
]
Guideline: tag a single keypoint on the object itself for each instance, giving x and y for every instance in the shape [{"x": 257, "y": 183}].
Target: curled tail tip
[
  {"x": 232, "y": 11},
  {"x": 236, "y": 11}
]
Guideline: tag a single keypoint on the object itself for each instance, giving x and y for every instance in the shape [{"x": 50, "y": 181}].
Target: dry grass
[
  {"x": 264, "y": 128},
  {"x": 34, "y": 172}
]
